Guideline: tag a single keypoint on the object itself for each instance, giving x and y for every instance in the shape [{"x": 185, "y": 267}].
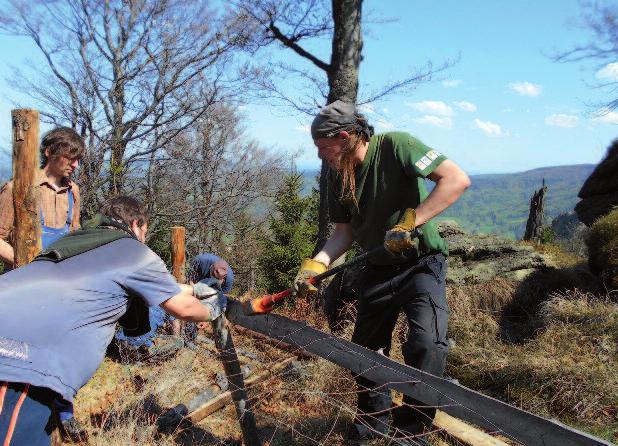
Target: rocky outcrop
[
  {"x": 479, "y": 258},
  {"x": 566, "y": 225},
  {"x": 570, "y": 233},
  {"x": 472, "y": 259},
  {"x": 599, "y": 194}
]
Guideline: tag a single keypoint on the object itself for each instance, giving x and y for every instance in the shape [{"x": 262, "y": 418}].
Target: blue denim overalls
[{"x": 50, "y": 235}]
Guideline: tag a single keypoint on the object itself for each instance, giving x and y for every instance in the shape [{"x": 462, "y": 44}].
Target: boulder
[
  {"x": 479, "y": 258},
  {"x": 603, "y": 249},
  {"x": 599, "y": 194}
]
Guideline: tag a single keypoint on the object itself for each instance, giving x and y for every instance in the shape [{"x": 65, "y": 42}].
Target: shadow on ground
[{"x": 520, "y": 319}]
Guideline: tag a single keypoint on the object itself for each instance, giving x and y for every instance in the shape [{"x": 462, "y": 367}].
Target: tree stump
[{"x": 534, "y": 225}]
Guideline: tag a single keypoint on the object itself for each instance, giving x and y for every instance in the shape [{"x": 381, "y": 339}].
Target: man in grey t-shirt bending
[{"x": 59, "y": 313}]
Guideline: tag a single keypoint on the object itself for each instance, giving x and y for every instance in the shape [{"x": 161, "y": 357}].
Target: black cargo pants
[{"x": 419, "y": 289}]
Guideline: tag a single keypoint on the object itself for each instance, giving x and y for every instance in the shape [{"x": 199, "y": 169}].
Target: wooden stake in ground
[
  {"x": 229, "y": 358},
  {"x": 177, "y": 248},
  {"x": 178, "y": 253},
  {"x": 25, "y": 194},
  {"x": 225, "y": 345}
]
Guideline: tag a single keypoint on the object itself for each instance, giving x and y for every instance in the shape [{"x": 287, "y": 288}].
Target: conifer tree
[{"x": 291, "y": 236}]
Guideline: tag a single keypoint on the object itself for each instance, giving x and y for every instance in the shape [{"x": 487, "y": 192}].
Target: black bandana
[{"x": 336, "y": 117}]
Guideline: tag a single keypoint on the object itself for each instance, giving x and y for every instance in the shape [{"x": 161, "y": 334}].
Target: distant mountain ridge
[{"x": 499, "y": 203}]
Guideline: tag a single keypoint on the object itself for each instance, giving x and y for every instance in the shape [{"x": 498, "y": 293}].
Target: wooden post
[
  {"x": 229, "y": 358},
  {"x": 177, "y": 248},
  {"x": 178, "y": 253},
  {"x": 25, "y": 193},
  {"x": 225, "y": 345}
]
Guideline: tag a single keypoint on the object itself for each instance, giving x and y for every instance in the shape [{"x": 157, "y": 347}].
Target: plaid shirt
[{"x": 54, "y": 204}]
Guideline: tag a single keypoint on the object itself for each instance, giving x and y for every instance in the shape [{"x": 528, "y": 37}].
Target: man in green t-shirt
[{"x": 377, "y": 196}]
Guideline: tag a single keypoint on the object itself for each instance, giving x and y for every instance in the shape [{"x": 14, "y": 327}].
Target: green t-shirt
[{"x": 390, "y": 179}]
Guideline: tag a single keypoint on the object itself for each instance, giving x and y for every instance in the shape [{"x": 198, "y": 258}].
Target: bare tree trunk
[
  {"x": 343, "y": 85},
  {"x": 25, "y": 194},
  {"x": 535, "y": 218},
  {"x": 346, "y": 54},
  {"x": 324, "y": 226}
]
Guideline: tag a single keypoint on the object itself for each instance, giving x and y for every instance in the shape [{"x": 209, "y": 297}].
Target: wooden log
[
  {"x": 25, "y": 190},
  {"x": 464, "y": 432},
  {"x": 489, "y": 413},
  {"x": 225, "y": 398},
  {"x": 178, "y": 253},
  {"x": 231, "y": 365}
]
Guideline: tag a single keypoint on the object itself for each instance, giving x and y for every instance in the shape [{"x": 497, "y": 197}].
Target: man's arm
[
  {"x": 75, "y": 223},
  {"x": 229, "y": 280},
  {"x": 7, "y": 254},
  {"x": 185, "y": 306},
  {"x": 338, "y": 243},
  {"x": 451, "y": 182}
]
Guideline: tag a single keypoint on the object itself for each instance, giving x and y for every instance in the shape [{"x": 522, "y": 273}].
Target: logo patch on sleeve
[
  {"x": 426, "y": 160},
  {"x": 420, "y": 164},
  {"x": 433, "y": 154}
]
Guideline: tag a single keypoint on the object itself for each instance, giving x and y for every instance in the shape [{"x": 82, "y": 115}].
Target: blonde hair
[{"x": 347, "y": 167}]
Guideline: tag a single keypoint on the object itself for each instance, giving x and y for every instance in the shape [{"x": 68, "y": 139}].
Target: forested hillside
[{"x": 499, "y": 203}]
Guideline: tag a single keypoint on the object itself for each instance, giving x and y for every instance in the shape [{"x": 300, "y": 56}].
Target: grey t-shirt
[{"x": 56, "y": 319}]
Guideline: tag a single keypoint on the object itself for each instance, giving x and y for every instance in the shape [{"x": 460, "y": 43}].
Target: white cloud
[
  {"x": 303, "y": 128},
  {"x": 466, "y": 106},
  {"x": 451, "y": 83},
  {"x": 609, "y": 71},
  {"x": 488, "y": 127},
  {"x": 385, "y": 111},
  {"x": 526, "y": 88},
  {"x": 562, "y": 120},
  {"x": 433, "y": 107},
  {"x": 606, "y": 117},
  {"x": 385, "y": 124},
  {"x": 366, "y": 108},
  {"x": 439, "y": 121}
]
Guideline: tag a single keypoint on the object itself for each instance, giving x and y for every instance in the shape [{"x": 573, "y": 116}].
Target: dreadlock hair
[{"x": 347, "y": 164}]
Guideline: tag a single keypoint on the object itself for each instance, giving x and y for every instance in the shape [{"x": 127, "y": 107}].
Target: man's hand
[
  {"x": 203, "y": 290},
  {"x": 216, "y": 305},
  {"x": 398, "y": 238},
  {"x": 308, "y": 268},
  {"x": 214, "y": 300}
]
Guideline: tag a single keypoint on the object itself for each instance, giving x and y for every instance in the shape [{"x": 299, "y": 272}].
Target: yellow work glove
[
  {"x": 398, "y": 239},
  {"x": 308, "y": 269}
]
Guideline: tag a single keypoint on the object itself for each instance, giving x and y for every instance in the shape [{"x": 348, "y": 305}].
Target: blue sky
[{"x": 505, "y": 107}]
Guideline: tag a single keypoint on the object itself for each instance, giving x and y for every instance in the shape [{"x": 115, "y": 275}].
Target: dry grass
[
  {"x": 564, "y": 368},
  {"x": 566, "y": 371}
]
